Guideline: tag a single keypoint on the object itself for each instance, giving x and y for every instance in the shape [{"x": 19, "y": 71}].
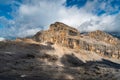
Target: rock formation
[
  {"x": 97, "y": 41},
  {"x": 61, "y": 53},
  {"x": 61, "y": 34},
  {"x": 102, "y": 36}
]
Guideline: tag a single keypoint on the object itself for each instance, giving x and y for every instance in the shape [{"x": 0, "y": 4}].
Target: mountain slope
[
  {"x": 34, "y": 61},
  {"x": 60, "y": 53}
]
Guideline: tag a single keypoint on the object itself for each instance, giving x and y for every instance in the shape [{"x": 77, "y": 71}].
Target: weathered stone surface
[
  {"x": 96, "y": 41},
  {"x": 102, "y": 36},
  {"x": 61, "y": 34}
]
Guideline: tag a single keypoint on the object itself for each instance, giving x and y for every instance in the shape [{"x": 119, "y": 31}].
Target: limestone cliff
[
  {"x": 61, "y": 34},
  {"x": 97, "y": 41}
]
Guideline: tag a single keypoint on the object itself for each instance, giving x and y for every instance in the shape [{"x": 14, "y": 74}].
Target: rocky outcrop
[
  {"x": 61, "y": 34},
  {"x": 96, "y": 41},
  {"x": 102, "y": 36}
]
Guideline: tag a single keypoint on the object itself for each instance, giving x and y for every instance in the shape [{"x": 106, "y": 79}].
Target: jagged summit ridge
[
  {"x": 62, "y": 25},
  {"x": 61, "y": 34},
  {"x": 96, "y": 41},
  {"x": 102, "y": 36}
]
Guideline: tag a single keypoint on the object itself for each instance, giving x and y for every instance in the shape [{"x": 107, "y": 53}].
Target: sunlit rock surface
[{"x": 61, "y": 53}]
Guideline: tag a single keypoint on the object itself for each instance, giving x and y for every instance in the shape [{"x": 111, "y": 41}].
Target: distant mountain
[{"x": 115, "y": 34}]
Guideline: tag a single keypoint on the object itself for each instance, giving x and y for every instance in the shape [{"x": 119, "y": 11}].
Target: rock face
[
  {"x": 102, "y": 36},
  {"x": 97, "y": 41},
  {"x": 61, "y": 34}
]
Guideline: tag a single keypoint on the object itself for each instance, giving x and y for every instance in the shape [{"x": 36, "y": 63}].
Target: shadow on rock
[
  {"x": 104, "y": 63},
  {"x": 71, "y": 60}
]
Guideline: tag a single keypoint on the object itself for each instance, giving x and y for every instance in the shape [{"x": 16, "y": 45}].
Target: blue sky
[{"x": 20, "y": 18}]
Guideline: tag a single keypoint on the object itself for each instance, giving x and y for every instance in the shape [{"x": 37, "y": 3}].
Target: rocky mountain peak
[
  {"x": 96, "y": 41},
  {"x": 61, "y": 26},
  {"x": 102, "y": 36}
]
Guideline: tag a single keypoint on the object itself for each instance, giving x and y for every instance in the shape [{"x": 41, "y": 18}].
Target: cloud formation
[
  {"x": 33, "y": 15},
  {"x": 2, "y": 39}
]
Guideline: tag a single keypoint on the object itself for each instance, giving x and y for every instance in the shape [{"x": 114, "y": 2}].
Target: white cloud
[
  {"x": 2, "y": 39},
  {"x": 104, "y": 22},
  {"x": 34, "y": 15}
]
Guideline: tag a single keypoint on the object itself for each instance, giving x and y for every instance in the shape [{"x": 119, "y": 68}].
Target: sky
[{"x": 21, "y": 18}]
